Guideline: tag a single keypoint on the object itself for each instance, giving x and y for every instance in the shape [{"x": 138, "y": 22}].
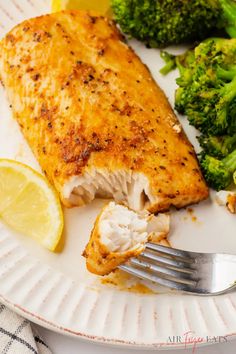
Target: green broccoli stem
[
  {"x": 184, "y": 61},
  {"x": 228, "y": 144},
  {"x": 229, "y": 16},
  {"x": 181, "y": 61},
  {"x": 229, "y": 74},
  {"x": 218, "y": 146},
  {"x": 230, "y": 162},
  {"x": 234, "y": 177},
  {"x": 170, "y": 61},
  {"x": 229, "y": 90}
]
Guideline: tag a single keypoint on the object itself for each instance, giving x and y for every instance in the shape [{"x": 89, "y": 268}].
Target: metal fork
[{"x": 198, "y": 273}]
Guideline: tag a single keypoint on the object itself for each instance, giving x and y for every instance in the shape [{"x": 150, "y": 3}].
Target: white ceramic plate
[{"x": 56, "y": 291}]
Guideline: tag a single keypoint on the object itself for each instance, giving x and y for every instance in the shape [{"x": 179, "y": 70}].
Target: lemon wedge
[
  {"x": 29, "y": 205},
  {"x": 101, "y": 6}
]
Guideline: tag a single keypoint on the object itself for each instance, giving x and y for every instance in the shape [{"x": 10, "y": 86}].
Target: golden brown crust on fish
[
  {"x": 101, "y": 261},
  {"x": 119, "y": 234},
  {"x": 87, "y": 105}
]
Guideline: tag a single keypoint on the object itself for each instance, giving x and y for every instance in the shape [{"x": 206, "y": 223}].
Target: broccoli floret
[
  {"x": 218, "y": 146},
  {"x": 159, "y": 23},
  {"x": 219, "y": 173},
  {"x": 207, "y": 92},
  {"x": 207, "y": 95}
]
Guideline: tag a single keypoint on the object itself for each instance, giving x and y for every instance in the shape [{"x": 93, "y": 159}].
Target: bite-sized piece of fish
[
  {"x": 93, "y": 115},
  {"x": 119, "y": 234}
]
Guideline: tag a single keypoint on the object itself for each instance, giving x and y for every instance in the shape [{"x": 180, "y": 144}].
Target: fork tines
[{"x": 167, "y": 266}]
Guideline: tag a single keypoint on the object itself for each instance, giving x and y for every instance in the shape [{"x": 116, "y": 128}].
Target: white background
[{"x": 60, "y": 344}]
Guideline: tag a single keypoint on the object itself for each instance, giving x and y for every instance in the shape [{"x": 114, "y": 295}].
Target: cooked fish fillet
[
  {"x": 119, "y": 234},
  {"x": 94, "y": 117}
]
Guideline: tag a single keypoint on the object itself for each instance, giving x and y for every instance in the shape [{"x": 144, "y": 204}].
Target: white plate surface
[{"x": 56, "y": 291}]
